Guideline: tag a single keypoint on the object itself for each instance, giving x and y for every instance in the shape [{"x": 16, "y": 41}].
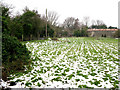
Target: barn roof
[{"x": 102, "y": 29}]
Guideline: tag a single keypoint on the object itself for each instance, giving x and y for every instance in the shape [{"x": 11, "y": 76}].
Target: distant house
[{"x": 101, "y": 32}]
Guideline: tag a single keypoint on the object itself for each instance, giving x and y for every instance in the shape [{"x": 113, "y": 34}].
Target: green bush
[
  {"x": 64, "y": 33},
  {"x": 77, "y": 33},
  {"x": 14, "y": 56}
]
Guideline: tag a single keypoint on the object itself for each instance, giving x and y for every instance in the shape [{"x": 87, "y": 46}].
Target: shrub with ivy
[{"x": 14, "y": 56}]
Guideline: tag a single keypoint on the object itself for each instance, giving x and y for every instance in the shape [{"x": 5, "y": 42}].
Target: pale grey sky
[{"x": 106, "y": 10}]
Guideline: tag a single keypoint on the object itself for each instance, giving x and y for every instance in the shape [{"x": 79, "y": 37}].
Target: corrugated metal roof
[{"x": 102, "y": 29}]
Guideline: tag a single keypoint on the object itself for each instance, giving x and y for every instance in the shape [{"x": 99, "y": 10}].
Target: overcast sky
[{"x": 106, "y": 10}]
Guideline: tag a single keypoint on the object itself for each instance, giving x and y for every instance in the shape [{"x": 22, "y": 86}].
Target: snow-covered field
[{"x": 73, "y": 63}]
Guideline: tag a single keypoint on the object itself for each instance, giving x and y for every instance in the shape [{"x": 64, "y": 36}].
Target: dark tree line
[{"x": 28, "y": 26}]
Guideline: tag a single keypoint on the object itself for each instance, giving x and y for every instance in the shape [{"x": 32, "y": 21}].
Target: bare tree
[
  {"x": 8, "y": 11},
  {"x": 52, "y": 17},
  {"x": 93, "y": 22},
  {"x": 69, "y": 23},
  {"x": 99, "y": 22},
  {"x": 77, "y": 24},
  {"x": 86, "y": 20}
]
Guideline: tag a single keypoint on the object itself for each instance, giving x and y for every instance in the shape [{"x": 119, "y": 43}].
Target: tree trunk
[
  {"x": 30, "y": 36},
  {"x": 38, "y": 36},
  {"x": 22, "y": 37}
]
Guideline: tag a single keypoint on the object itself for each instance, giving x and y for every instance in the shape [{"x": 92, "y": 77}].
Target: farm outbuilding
[{"x": 101, "y": 32}]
